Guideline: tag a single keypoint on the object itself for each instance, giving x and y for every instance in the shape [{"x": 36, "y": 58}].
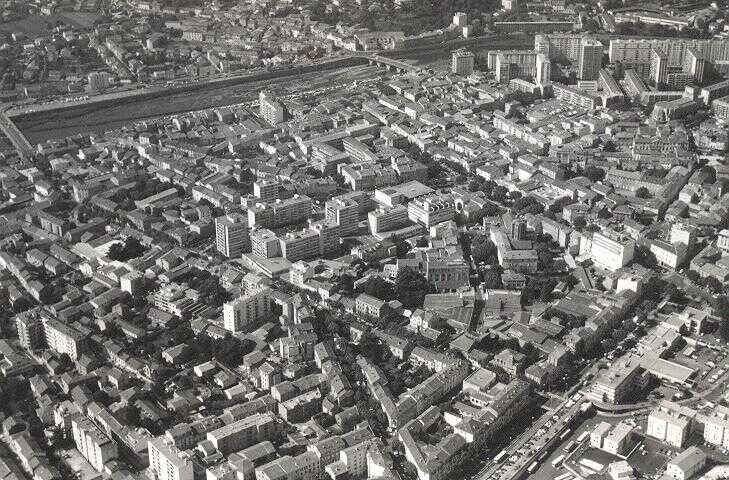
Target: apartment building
[
  {"x": 167, "y": 462},
  {"x": 231, "y": 235},
  {"x": 247, "y": 310}
]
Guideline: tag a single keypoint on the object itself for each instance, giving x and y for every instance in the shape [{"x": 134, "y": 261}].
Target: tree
[
  {"x": 130, "y": 415},
  {"x": 411, "y": 287},
  {"x": 491, "y": 279},
  {"x": 483, "y": 249},
  {"x": 608, "y": 345},
  {"x": 642, "y": 192},
  {"x": 595, "y": 174},
  {"x": 379, "y": 288},
  {"x": 710, "y": 173},
  {"x": 643, "y": 256},
  {"x": 619, "y": 335},
  {"x": 490, "y": 209},
  {"x": 714, "y": 285},
  {"x": 579, "y": 223},
  {"x": 693, "y": 275},
  {"x": 131, "y": 248},
  {"x": 545, "y": 292},
  {"x": 499, "y": 193}
]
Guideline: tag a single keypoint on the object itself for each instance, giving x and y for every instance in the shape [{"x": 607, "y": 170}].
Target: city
[{"x": 364, "y": 239}]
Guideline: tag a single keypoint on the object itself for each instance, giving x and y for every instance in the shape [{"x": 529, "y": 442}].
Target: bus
[
  {"x": 565, "y": 434},
  {"x": 570, "y": 446},
  {"x": 564, "y": 476},
  {"x": 500, "y": 456},
  {"x": 533, "y": 467},
  {"x": 582, "y": 437},
  {"x": 557, "y": 461}
]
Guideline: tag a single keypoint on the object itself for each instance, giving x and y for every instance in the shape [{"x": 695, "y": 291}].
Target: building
[
  {"x": 637, "y": 51},
  {"x": 266, "y": 190},
  {"x": 63, "y": 338},
  {"x": 544, "y": 70},
  {"x": 98, "y": 81},
  {"x": 617, "y": 441},
  {"x": 669, "y": 427},
  {"x": 612, "y": 253},
  {"x": 247, "y": 310},
  {"x": 31, "y": 333},
  {"x": 385, "y": 219},
  {"x": 659, "y": 66},
  {"x": 462, "y": 62},
  {"x": 244, "y": 433},
  {"x": 720, "y": 108},
  {"x": 167, "y": 462},
  {"x": 686, "y": 464},
  {"x": 92, "y": 443},
  {"x": 590, "y": 60},
  {"x": 270, "y": 108},
  {"x": 694, "y": 64},
  {"x": 369, "y": 306},
  {"x": 301, "y": 245},
  {"x": 716, "y": 427},
  {"x": 343, "y": 212},
  {"x": 431, "y": 210},
  {"x": 575, "y": 96},
  {"x": 231, "y": 235},
  {"x": 280, "y": 212}
]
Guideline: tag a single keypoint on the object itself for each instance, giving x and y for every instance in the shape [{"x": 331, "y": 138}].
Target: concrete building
[
  {"x": 244, "y": 433},
  {"x": 31, "y": 333},
  {"x": 612, "y": 253},
  {"x": 668, "y": 427},
  {"x": 590, "y": 60},
  {"x": 686, "y": 464},
  {"x": 344, "y": 212},
  {"x": 92, "y": 443},
  {"x": 231, "y": 235},
  {"x": 270, "y": 108},
  {"x": 462, "y": 62},
  {"x": 247, "y": 310},
  {"x": 544, "y": 70},
  {"x": 167, "y": 462}
]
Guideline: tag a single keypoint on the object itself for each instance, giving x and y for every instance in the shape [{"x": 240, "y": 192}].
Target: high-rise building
[
  {"x": 92, "y": 443},
  {"x": 460, "y": 19},
  {"x": 266, "y": 190},
  {"x": 659, "y": 66},
  {"x": 246, "y": 310},
  {"x": 344, "y": 213},
  {"x": 98, "y": 81},
  {"x": 590, "y": 60},
  {"x": 462, "y": 62},
  {"x": 231, "y": 235},
  {"x": 167, "y": 462},
  {"x": 694, "y": 64},
  {"x": 270, "y": 108},
  {"x": 544, "y": 70},
  {"x": 30, "y": 329}
]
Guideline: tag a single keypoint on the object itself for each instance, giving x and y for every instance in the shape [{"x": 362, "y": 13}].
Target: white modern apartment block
[
  {"x": 167, "y": 462},
  {"x": 612, "y": 253},
  {"x": 246, "y": 310},
  {"x": 231, "y": 235},
  {"x": 92, "y": 443}
]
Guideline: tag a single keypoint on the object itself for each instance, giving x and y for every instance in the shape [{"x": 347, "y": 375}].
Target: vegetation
[{"x": 131, "y": 248}]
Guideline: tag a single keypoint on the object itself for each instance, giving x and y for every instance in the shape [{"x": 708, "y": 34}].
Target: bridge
[
  {"x": 16, "y": 137},
  {"x": 392, "y": 64}
]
